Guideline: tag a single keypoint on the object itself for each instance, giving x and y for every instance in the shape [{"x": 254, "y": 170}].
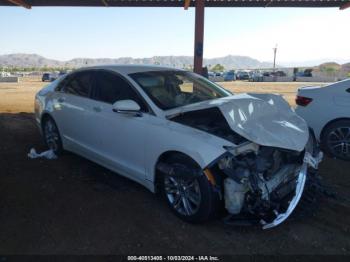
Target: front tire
[
  {"x": 191, "y": 198},
  {"x": 52, "y": 136},
  {"x": 336, "y": 140}
]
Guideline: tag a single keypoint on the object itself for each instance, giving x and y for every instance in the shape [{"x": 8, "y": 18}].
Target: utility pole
[{"x": 274, "y": 58}]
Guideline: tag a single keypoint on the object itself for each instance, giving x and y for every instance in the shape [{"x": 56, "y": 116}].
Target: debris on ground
[{"x": 48, "y": 154}]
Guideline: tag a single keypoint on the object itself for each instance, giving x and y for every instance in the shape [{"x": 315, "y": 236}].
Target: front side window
[
  {"x": 111, "y": 88},
  {"x": 79, "y": 84},
  {"x": 170, "y": 89}
]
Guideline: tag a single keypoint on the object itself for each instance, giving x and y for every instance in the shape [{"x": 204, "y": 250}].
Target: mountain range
[
  {"x": 229, "y": 61},
  {"x": 34, "y": 60}
]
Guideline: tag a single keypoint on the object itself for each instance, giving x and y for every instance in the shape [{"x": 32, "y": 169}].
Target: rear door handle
[{"x": 348, "y": 90}]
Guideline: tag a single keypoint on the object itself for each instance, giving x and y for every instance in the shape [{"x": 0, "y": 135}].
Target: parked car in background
[
  {"x": 5, "y": 74},
  {"x": 211, "y": 74},
  {"x": 305, "y": 73},
  {"x": 242, "y": 75},
  {"x": 327, "y": 111},
  {"x": 256, "y": 76},
  {"x": 62, "y": 73},
  {"x": 216, "y": 76},
  {"x": 229, "y": 76},
  {"x": 278, "y": 74},
  {"x": 54, "y": 76},
  {"x": 308, "y": 72},
  {"x": 180, "y": 134},
  {"x": 51, "y": 76},
  {"x": 46, "y": 77}
]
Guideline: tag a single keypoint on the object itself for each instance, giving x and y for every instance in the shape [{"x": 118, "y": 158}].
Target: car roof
[{"x": 129, "y": 69}]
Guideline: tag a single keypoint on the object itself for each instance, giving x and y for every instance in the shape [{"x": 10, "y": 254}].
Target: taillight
[{"x": 302, "y": 100}]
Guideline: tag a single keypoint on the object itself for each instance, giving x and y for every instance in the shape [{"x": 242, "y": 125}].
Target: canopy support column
[
  {"x": 20, "y": 3},
  {"x": 199, "y": 36},
  {"x": 344, "y": 6}
]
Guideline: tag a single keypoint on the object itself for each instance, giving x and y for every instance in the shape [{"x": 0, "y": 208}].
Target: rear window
[{"x": 80, "y": 84}]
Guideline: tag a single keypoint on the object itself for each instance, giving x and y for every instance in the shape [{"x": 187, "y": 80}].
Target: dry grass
[{"x": 19, "y": 97}]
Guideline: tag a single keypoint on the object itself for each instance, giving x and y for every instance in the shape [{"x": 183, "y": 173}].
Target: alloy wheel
[
  {"x": 51, "y": 135},
  {"x": 183, "y": 194},
  {"x": 338, "y": 142}
]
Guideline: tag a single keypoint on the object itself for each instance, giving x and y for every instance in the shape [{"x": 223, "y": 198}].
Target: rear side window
[
  {"x": 110, "y": 88},
  {"x": 80, "y": 84}
]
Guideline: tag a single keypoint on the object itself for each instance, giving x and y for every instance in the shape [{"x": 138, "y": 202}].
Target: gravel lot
[{"x": 73, "y": 206}]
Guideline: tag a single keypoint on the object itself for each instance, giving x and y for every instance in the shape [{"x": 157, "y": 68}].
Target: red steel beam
[
  {"x": 20, "y": 3},
  {"x": 199, "y": 36},
  {"x": 344, "y": 6}
]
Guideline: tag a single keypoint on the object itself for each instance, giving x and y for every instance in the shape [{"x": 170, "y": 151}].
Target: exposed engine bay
[
  {"x": 260, "y": 181},
  {"x": 211, "y": 121}
]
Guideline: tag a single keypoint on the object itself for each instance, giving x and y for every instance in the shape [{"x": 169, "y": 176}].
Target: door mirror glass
[{"x": 126, "y": 106}]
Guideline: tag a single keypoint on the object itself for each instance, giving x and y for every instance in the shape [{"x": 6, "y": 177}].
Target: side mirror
[{"x": 127, "y": 107}]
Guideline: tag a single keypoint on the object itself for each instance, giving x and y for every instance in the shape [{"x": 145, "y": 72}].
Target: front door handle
[{"x": 97, "y": 109}]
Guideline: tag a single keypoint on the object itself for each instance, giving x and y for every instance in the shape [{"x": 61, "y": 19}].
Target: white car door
[
  {"x": 118, "y": 138},
  {"x": 71, "y": 104}
]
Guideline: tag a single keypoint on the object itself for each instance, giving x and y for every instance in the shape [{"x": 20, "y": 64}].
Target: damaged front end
[
  {"x": 263, "y": 172},
  {"x": 264, "y": 182}
]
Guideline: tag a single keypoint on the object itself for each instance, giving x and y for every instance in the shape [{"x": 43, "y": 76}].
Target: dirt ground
[{"x": 73, "y": 206}]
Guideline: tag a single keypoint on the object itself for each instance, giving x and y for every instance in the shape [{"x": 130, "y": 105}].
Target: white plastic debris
[
  {"x": 49, "y": 154},
  {"x": 313, "y": 161}
]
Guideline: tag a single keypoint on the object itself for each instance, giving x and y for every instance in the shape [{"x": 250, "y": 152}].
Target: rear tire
[
  {"x": 335, "y": 140},
  {"x": 191, "y": 198}
]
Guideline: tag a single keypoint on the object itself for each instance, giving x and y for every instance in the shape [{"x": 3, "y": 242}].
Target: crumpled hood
[{"x": 265, "y": 119}]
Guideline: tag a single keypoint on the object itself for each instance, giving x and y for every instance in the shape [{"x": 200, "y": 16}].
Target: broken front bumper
[{"x": 308, "y": 161}]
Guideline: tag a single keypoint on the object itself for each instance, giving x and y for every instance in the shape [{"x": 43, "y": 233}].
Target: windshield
[{"x": 170, "y": 89}]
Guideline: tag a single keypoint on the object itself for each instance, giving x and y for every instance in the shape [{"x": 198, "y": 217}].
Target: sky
[{"x": 64, "y": 33}]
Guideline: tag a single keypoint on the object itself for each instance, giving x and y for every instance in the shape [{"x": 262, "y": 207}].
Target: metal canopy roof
[
  {"x": 198, "y": 4},
  {"x": 342, "y": 4}
]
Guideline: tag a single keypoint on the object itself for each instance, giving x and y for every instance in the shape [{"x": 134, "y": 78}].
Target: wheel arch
[
  {"x": 166, "y": 156},
  {"x": 330, "y": 123},
  {"x": 44, "y": 117}
]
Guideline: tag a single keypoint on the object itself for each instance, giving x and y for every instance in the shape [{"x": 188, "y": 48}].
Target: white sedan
[
  {"x": 176, "y": 132},
  {"x": 327, "y": 111}
]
